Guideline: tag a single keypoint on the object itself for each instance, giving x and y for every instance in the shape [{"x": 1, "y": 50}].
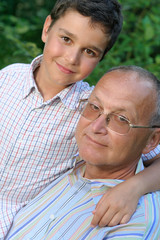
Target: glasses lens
[
  {"x": 118, "y": 123},
  {"x": 89, "y": 110}
]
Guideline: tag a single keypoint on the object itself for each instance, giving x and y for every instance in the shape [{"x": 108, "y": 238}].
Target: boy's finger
[
  {"x": 108, "y": 217},
  {"x": 115, "y": 220},
  {"x": 125, "y": 218},
  {"x": 119, "y": 218},
  {"x": 100, "y": 210},
  {"x": 97, "y": 215},
  {"x": 102, "y": 217},
  {"x": 96, "y": 219}
]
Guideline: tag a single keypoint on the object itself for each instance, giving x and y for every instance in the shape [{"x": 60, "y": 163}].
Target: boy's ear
[
  {"x": 153, "y": 141},
  {"x": 46, "y": 26}
]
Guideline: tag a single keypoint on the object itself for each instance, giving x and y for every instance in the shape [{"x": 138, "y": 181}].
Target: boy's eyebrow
[
  {"x": 100, "y": 51},
  {"x": 96, "y": 49},
  {"x": 68, "y": 33}
]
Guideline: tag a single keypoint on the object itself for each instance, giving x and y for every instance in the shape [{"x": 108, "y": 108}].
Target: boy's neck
[{"x": 47, "y": 91}]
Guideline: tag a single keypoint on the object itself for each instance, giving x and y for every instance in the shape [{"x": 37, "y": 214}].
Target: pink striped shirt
[{"x": 37, "y": 140}]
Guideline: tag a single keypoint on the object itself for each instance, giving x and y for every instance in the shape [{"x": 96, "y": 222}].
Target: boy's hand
[{"x": 116, "y": 206}]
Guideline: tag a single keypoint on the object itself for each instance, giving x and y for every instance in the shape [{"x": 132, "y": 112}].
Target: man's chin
[{"x": 91, "y": 157}]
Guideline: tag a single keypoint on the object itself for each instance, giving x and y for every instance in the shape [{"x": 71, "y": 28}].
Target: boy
[{"x": 39, "y": 101}]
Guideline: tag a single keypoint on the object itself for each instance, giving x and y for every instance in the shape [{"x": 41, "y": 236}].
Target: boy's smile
[
  {"x": 71, "y": 52},
  {"x": 64, "y": 69}
]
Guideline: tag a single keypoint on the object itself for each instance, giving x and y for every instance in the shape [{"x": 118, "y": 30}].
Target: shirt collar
[
  {"x": 78, "y": 173},
  {"x": 30, "y": 83},
  {"x": 70, "y": 96}
]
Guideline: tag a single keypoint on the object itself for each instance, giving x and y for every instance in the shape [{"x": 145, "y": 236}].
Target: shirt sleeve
[{"x": 151, "y": 154}]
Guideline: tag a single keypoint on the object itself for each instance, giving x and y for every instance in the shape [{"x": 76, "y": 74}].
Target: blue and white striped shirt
[{"x": 63, "y": 211}]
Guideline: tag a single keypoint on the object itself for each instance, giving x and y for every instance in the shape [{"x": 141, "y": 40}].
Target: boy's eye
[
  {"x": 90, "y": 52},
  {"x": 66, "y": 39}
]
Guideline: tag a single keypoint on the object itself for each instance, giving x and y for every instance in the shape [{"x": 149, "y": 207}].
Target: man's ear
[
  {"x": 153, "y": 141},
  {"x": 46, "y": 26}
]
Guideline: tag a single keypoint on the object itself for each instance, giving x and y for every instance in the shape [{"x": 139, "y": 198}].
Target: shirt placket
[{"x": 79, "y": 189}]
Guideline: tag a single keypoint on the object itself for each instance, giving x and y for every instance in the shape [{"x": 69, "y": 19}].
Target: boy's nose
[{"x": 73, "y": 56}]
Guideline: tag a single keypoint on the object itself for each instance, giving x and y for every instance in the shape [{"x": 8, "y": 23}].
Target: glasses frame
[{"x": 129, "y": 123}]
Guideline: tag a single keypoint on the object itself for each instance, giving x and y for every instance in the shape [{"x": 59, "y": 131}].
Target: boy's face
[{"x": 73, "y": 48}]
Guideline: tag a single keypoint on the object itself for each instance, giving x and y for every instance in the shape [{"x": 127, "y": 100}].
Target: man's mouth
[{"x": 94, "y": 141}]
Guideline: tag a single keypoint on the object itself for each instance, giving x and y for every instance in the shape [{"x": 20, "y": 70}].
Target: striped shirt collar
[
  {"x": 30, "y": 83},
  {"x": 78, "y": 173},
  {"x": 69, "y": 96}
]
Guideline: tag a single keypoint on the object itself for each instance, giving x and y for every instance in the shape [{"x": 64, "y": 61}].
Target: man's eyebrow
[
  {"x": 115, "y": 109},
  {"x": 100, "y": 51},
  {"x": 94, "y": 97}
]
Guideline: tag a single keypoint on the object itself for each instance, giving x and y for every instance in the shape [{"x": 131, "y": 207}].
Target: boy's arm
[{"x": 119, "y": 203}]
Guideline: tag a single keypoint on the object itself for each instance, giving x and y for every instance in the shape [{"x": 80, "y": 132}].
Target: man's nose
[{"x": 99, "y": 125}]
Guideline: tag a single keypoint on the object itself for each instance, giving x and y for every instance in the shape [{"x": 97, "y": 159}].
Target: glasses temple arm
[{"x": 134, "y": 126}]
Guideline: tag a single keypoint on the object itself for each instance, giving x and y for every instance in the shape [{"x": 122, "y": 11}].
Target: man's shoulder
[
  {"x": 151, "y": 203},
  {"x": 152, "y": 200}
]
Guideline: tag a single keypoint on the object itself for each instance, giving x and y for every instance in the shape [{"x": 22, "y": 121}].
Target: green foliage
[
  {"x": 21, "y": 24},
  {"x": 139, "y": 41}
]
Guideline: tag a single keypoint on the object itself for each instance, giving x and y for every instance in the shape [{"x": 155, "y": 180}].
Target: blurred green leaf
[{"x": 157, "y": 59}]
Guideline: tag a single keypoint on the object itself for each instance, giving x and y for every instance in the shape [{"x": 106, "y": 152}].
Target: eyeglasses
[{"x": 116, "y": 123}]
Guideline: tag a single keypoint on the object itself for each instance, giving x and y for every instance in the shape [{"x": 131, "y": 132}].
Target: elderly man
[{"x": 120, "y": 121}]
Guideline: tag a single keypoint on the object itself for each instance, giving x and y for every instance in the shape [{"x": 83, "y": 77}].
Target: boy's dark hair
[{"x": 105, "y": 12}]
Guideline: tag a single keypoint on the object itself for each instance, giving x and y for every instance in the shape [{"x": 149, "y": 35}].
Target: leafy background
[{"x": 21, "y": 24}]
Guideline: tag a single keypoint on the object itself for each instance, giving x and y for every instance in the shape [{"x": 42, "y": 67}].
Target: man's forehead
[
  {"x": 124, "y": 90},
  {"x": 125, "y": 83},
  {"x": 120, "y": 76},
  {"x": 114, "y": 103},
  {"x": 117, "y": 82}
]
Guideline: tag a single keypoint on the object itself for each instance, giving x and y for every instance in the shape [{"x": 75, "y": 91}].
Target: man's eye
[
  {"x": 122, "y": 119},
  {"x": 107, "y": 119},
  {"x": 93, "y": 107},
  {"x": 90, "y": 52},
  {"x": 66, "y": 39}
]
